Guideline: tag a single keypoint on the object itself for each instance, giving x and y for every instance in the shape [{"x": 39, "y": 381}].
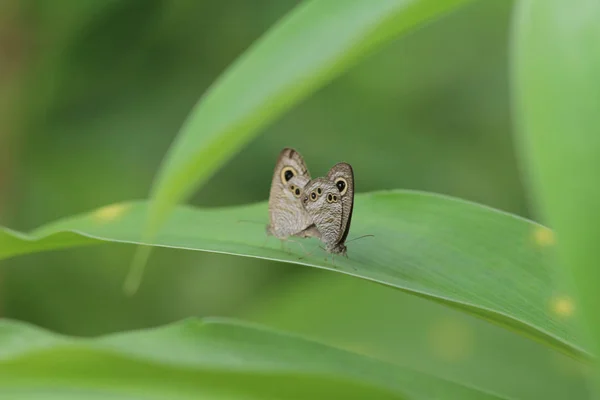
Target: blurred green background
[{"x": 93, "y": 92}]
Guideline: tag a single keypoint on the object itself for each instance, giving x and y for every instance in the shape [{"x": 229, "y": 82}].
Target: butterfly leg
[
  {"x": 306, "y": 253},
  {"x": 283, "y": 248},
  {"x": 332, "y": 259},
  {"x": 326, "y": 254},
  {"x": 309, "y": 253},
  {"x": 265, "y": 242}
]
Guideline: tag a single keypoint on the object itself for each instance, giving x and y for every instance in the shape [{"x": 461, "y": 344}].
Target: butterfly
[
  {"x": 287, "y": 216},
  {"x": 329, "y": 202}
]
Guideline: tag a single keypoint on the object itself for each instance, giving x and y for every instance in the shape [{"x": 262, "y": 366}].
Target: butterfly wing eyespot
[
  {"x": 319, "y": 191},
  {"x": 329, "y": 198},
  {"x": 295, "y": 190},
  {"x": 287, "y": 173},
  {"x": 313, "y": 196},
  {"x": 342, "y": 185}
]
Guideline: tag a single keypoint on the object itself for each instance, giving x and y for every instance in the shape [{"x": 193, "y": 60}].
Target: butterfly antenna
[
  {"x": 360, "y": 237},
  {"x": 247, "y": 220}
]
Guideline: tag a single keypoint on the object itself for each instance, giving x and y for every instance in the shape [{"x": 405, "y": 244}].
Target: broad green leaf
[
  {"x": 489, "y": 263},
  {"x": 557, "y": 91},
  {"x": 211, "y": 359},
  {"x": 393, "y": 326},
  {"x": 316, "y": 42}
]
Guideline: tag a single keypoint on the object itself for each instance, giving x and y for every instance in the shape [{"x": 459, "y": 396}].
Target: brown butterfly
[
  {"x": 329, "y": 202},
  {"x": 287, "y": 216}
]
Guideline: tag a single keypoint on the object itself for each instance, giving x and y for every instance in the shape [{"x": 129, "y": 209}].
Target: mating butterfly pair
[{"x": 305, "y": 207}]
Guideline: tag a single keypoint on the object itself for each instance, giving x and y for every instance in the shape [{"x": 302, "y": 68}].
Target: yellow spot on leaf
[
  {"x": 109, "y": 213},
  {"x": 563, "y": 306},
  {"x": 451, "y": 340},
  {"x": 543, "y": 236}
]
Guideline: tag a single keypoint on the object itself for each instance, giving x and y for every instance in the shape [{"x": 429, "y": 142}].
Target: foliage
[{"x": 487, "y": 280}]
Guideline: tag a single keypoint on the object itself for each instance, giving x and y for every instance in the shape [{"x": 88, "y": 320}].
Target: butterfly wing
[
  {"x": 286, "y": 215},
  {"x": 322, "y": 201},
  {"x": 342, "y": 177}
]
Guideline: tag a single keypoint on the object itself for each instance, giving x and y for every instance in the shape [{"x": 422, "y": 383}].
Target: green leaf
[
  {"x": 211, "y": 359},
  {"x": 312, "y": 45},
  {"x": 557, "y": 91},
  {"x": 489, "y": 263},
  {"x": 402, "y": 329}
]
